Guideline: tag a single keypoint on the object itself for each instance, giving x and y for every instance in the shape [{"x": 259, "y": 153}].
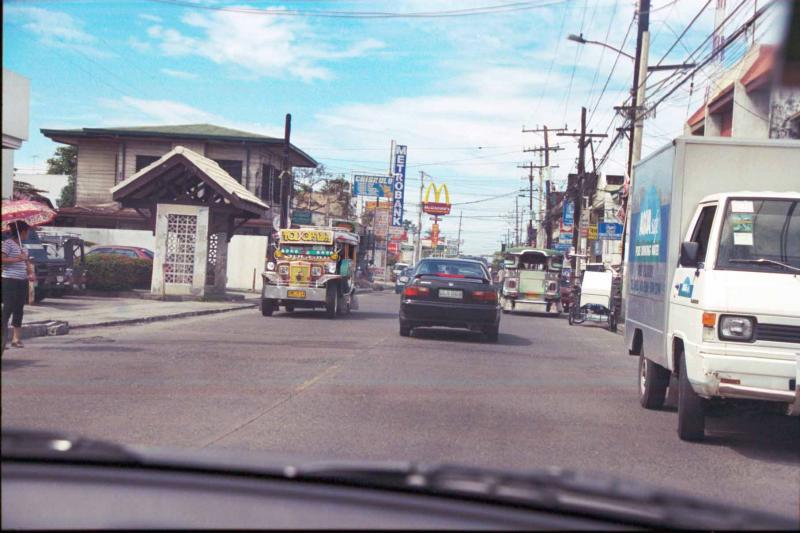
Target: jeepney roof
[{"x": 524, "y": 250}]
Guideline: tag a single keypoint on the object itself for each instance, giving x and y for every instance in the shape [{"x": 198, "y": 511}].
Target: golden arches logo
[{"x": 437, "y": 193}]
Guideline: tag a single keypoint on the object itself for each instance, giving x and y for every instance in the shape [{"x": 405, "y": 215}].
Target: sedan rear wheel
[{"x": 405, "y": 329}]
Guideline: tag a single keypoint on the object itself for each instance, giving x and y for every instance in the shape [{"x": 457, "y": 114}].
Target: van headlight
[{"x": 736, "y": 328}]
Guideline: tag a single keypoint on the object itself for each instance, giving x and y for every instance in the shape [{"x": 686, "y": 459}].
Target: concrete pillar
[{"x": 750, "y": 112}]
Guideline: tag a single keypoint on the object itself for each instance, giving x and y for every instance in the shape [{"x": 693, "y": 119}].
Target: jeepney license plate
[
  {"x": 448, "y": 293},
  {"x": 296, "y": 294}
]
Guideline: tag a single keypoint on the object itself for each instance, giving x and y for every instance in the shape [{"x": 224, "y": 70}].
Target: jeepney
[
  {"x": 311, "y": 267},
  {"x": 531, "y": 280}
]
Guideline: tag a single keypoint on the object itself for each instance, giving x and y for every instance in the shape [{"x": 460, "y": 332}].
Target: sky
[{"x": 457, "y": 90}]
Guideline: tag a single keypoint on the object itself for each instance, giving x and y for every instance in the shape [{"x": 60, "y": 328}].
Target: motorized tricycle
[
  {"x": 531, "y": 280},
  {"x": 594, "y": 300}
]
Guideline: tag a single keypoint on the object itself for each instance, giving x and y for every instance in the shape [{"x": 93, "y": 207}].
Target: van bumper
[{"x": 749, "y": 378}]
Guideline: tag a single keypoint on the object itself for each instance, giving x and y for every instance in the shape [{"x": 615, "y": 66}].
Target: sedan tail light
[
  {"x": 484, "y": 296},
  {"x": 416, "y": 292}
]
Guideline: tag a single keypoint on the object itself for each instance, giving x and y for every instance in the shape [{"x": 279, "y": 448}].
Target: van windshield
[{"x": 761, "y": 236}]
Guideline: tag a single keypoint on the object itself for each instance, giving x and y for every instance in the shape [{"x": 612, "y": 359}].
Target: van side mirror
[{"x": 689, "y": 253}]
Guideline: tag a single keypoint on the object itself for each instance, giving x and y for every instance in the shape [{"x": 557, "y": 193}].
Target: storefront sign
[
  {"x": 592, "y": 235},
  {"x": 434, "y": 235},
  {"x": 568, "y": 214},
  {"x": 301, "y": 216},
  {"x": 399, "y": 184},
  {"x": 610, "y": 231},
  {"x": 368, "y": 185}
]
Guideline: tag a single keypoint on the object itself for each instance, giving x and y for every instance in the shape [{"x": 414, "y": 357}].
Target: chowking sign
[
  {"x": 399, "y": 184},
  {"x": 436, "y": 207},
  {"x": 306, "y": 236}
]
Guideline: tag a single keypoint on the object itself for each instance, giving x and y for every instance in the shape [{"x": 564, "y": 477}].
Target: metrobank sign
[{"x": 437, "y": 206}]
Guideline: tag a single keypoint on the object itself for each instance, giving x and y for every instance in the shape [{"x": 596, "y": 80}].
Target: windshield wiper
[
  {"x": 596, "y": 495},
  {"x": 599, "y": 496},
  {"x": 764, "y": 261}
]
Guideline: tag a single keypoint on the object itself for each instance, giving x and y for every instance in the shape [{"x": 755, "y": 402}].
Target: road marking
[{"x": 308, "y": 383}]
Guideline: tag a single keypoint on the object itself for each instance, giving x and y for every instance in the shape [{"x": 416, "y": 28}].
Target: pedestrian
[{"x": 15, "y": 276}]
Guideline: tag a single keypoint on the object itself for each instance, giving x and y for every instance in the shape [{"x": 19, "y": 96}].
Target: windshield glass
[
  {"x": 357, "y": 229},
  {"x": 755, "y": 230}
]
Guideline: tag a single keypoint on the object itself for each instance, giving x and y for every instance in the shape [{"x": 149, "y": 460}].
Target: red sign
[
  {"x": 436, "y": 208},
  {"x": 394, "y": 247},
  {"x": 434, "y": 235}
]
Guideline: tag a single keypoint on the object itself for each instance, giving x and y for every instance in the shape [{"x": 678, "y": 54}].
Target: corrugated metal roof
[{"x": 208, "y": 167}]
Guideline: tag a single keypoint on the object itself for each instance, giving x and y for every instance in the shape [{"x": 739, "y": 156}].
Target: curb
[
  {"x": 44, "y": 328},
  {"x": 160, "y": 318},
  {"x": 52, "y": 327}
]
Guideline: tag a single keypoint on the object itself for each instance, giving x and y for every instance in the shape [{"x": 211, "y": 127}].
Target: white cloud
[
  {"x": 180, "y": 74},
  {"x": 137, "y": 111},
  {"x": 139, "y": 45},
  {"x": 56, "y": 29},
  {"x": 150, "y": 18},
  {"x": 258, "y": 45}
]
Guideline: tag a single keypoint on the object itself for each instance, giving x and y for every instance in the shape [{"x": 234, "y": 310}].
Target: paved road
[{"x": 546, "y": 394}]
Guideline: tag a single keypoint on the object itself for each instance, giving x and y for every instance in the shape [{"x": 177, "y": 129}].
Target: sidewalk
[{"x": 56, "y": 316}]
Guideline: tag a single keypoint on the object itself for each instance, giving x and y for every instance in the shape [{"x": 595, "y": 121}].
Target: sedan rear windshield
[{"x": 452, "y": 269}]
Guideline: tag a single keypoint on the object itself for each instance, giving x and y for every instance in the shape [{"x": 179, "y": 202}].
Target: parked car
[
  {"x": 454, "y": 293},
  {"x": 401, "y": 279},
  {"x": 57, "y": 260},
  {"x": 135, "y": 252}
]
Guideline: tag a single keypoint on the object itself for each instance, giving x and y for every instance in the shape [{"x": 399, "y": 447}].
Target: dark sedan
[{"x": 455, "y": 293}]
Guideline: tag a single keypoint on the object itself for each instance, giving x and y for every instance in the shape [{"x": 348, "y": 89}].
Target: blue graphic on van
[
  {"x": 648, "y": 228},
  {"x": 686, "y": 288}
]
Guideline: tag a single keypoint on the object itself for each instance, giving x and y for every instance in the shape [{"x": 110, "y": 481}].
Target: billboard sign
[
  {"x": 568, "y": 214},
  {"x": 381, "y": 223},
  {"x": 301, "y": 216},
  {"x": 609, "y": 230},
  {"x": 434, "y": 235},
  {"x": 592, "y": 232},
  {"x": 399, "y": 184},
  {"x": 369, "y": 185},
  {"x": 437, "y": 206}
]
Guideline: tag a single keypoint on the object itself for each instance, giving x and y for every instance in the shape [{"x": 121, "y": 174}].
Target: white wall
[
  {"x": 16, "y": 101},
  {"x": 8, "y": 173},
  {"x": 245, "y": 252}
]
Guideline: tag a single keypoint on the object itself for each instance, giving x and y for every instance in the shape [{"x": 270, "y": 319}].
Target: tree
[{"x": 65, "y": 161}]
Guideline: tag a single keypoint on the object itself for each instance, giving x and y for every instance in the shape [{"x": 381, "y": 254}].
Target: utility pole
[
  {"x": 543, "y": 168},
  {"x": 286, "y": 176},
  {"x": 458, "y": 244},
  {"x": 418, "y": 249},
  {"x": 577, "y": 189},
  {"x": 640, "y": 76},
  {"x": 516, "y": 220}
]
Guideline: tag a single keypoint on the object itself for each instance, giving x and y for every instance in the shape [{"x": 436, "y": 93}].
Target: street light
[{"x": 580, "y": 40}]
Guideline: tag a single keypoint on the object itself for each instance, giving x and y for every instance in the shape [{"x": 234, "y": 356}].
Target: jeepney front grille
[
  {"x": 778, "y": 333},
  {"x": 299, "y": 273}
]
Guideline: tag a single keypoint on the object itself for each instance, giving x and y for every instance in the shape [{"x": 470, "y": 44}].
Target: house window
[
  {"x": 232, "y": 167},
  {"x": 144, "y": 160},
  {"x": 270, "y": 184}
]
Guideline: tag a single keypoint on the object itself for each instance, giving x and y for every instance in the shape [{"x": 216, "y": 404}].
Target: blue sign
[
  {"x": 375, "y": 186},
  {"x": 562, "y": 247},
  {"x": 609, "y": 231},
  {"x": 399, "y": 185},
  {"x": 568, "y": 214}
]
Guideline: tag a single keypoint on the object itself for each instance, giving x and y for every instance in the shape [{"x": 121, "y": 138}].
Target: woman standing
[{"x": 15, "y": 275}]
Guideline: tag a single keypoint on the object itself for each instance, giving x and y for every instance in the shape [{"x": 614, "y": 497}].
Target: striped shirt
[{"x": 18, "y": 270}]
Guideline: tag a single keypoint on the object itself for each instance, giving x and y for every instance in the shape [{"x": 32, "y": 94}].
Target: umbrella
[{"x": 33, "y": 213}]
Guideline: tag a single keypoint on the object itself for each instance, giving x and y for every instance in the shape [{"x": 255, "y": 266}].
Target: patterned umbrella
[{"x": 34, "y": 213}]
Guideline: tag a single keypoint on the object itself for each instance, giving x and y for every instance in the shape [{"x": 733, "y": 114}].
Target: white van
[{"x": 712, "y": 284}]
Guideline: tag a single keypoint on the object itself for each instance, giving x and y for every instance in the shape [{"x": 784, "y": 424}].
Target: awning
[
  {"x": 760, "y": 72},
  {"x": 174, "y": 167},
  {"x": 697, "y": 117},
  {"x": 722, "y": 100}
]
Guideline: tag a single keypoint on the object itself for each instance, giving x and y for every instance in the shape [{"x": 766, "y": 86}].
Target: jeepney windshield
[
  {"x": 761, "y": 235},
  {"x": 316, "y": 250},
  {"x": 539, "y": 262}
]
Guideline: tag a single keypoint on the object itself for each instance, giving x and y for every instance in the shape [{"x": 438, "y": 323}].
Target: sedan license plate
[
  {"x": 448, "y": 293},
  {"x": 296, "y": 294}
]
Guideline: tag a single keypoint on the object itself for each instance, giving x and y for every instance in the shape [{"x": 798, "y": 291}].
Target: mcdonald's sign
[{"x": 437, "y": 207}]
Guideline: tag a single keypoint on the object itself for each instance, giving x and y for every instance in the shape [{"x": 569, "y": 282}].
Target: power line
[{"x": 274, "y": 12}]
